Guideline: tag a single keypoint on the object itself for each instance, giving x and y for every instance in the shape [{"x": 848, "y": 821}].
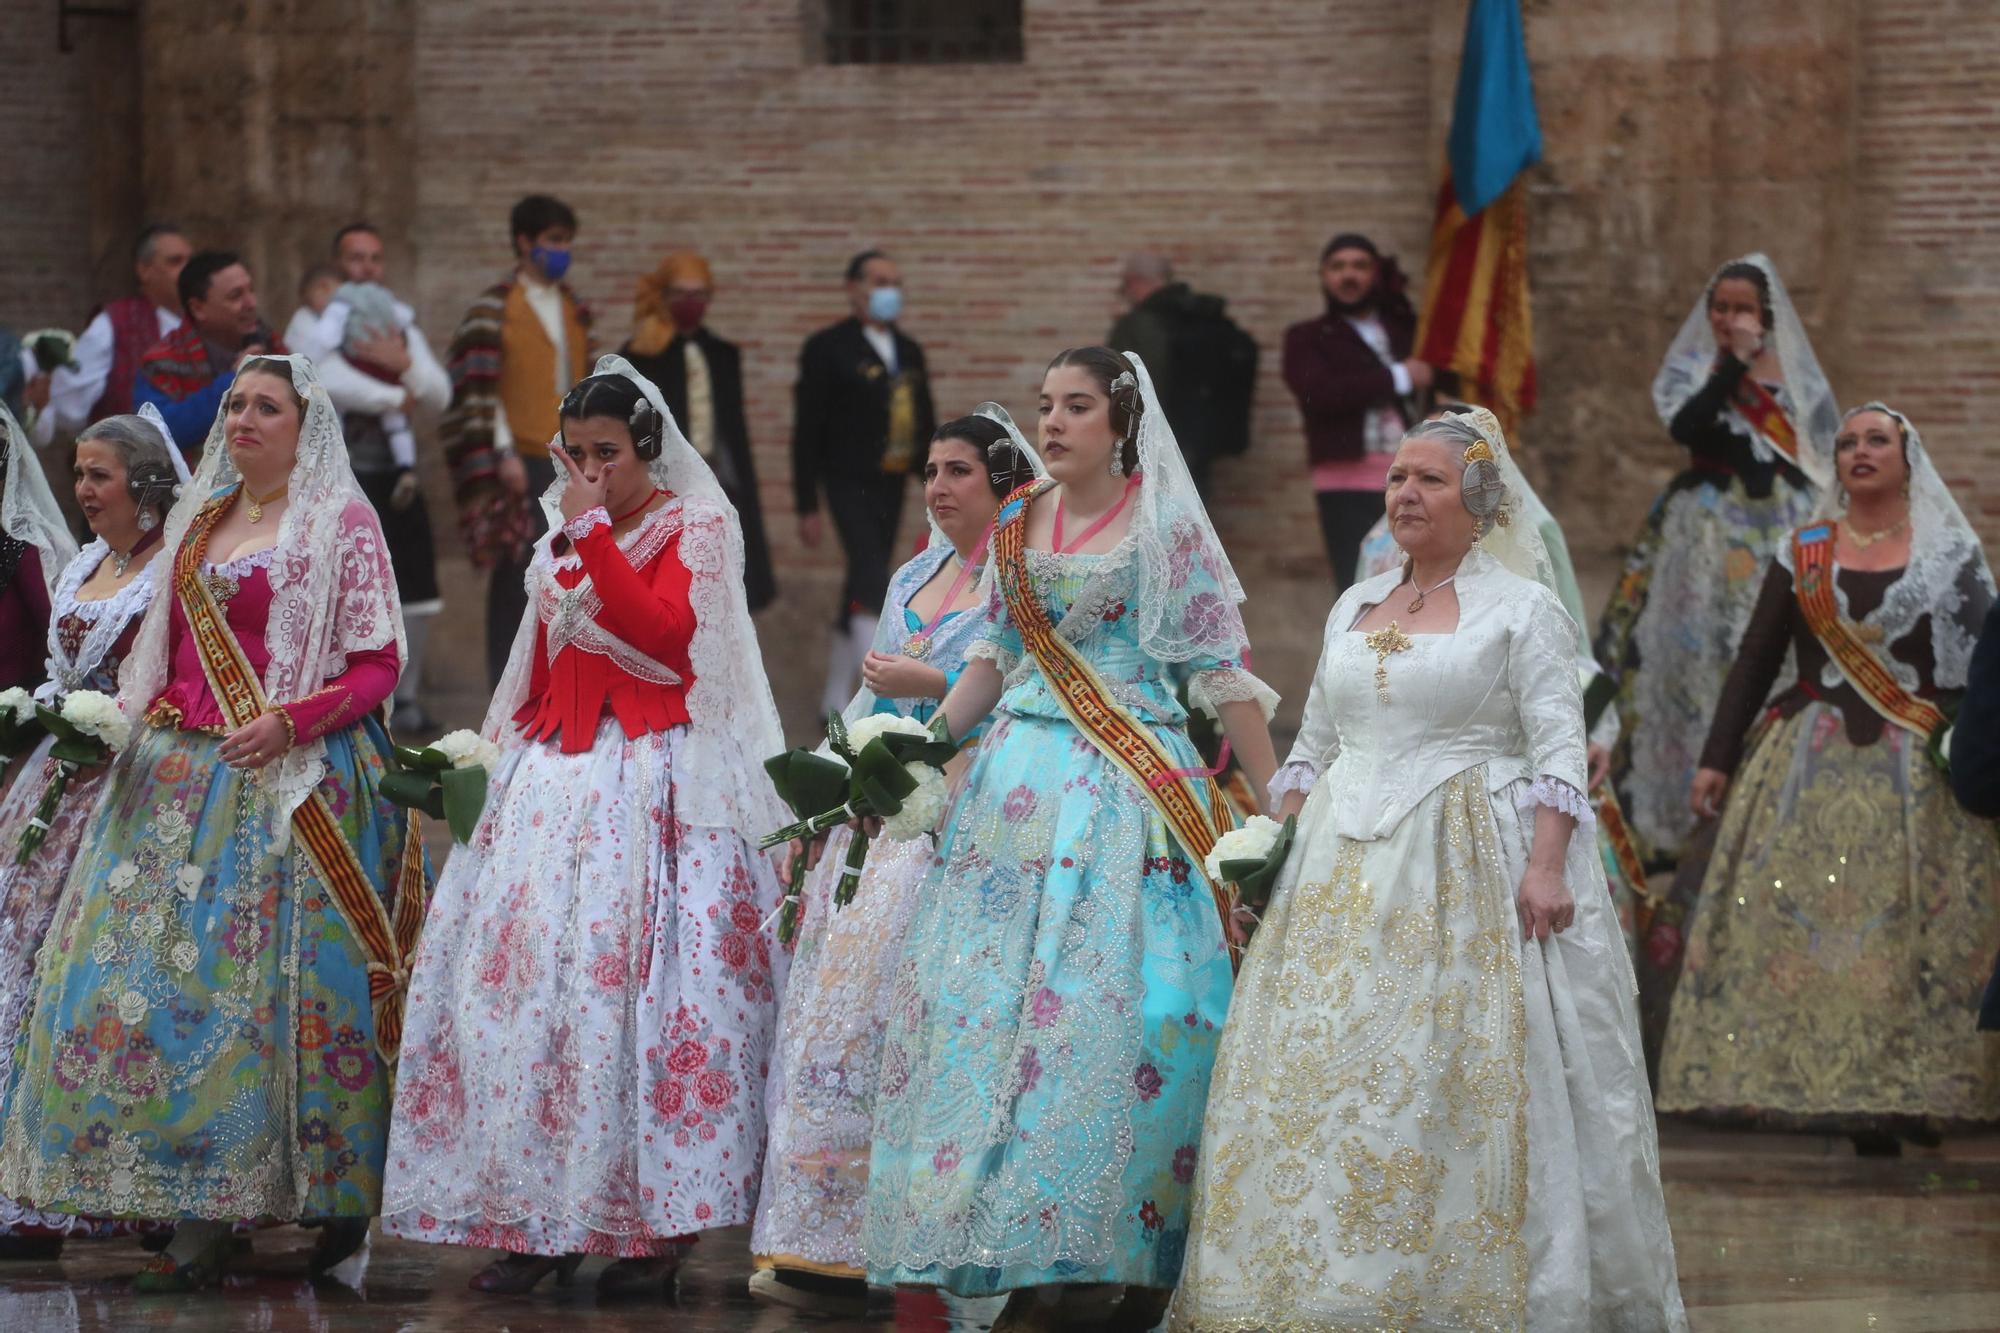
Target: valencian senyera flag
[{"x": 1475, "y": 315}]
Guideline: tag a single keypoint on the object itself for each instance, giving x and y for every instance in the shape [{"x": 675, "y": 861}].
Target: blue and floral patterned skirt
[{"x": 201, "y": 1043}]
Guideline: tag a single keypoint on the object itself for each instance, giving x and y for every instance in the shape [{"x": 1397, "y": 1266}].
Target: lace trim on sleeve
[
  {"x": 1228, "y": 685},
  {"x": 585, "y": 523},
  {"x": 1296, "y": 776},
  {"x": 1558, "y": 795},
  {"x": 987, "y": 650}
]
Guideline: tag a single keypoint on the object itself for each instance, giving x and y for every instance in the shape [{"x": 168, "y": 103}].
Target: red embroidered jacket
[{"x": 615, "y": 627}]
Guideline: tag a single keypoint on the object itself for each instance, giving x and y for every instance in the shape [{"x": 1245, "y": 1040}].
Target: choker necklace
[
  {"x": 1422, "y": 593},
  {"x": 254, "y": 510},
  {"x": 1863, "y": 540},
  {"x": 656, "y": 493},
  {"x": 122, "y": 561}
]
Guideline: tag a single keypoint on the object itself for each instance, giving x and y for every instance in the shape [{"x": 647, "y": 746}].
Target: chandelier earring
[{"x": 148, "y": 520}]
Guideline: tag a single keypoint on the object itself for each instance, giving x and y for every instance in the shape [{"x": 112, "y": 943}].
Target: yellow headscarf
[{"x": 652, "y": 327}]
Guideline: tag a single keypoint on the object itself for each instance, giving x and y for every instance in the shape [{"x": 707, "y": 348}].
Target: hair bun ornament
[
  {"x": 1125, "y": 380},
  {"x": 1481, "y": 452},
  {"x": 646, "y": 429}
]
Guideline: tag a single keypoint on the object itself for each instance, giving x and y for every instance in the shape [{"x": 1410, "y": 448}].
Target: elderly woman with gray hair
[
  {"x": 1429, "y": 1108},
  {"x": 127, "y": 472}
]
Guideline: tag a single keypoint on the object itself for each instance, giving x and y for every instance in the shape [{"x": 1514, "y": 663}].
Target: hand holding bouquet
[
  {"x": 87, "y": 729},
  {"x": 882, "y": 767},
  {"x": 445, "y": 780}
]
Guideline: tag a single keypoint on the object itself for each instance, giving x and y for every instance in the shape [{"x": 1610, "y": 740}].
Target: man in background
[
  {"x": 519, "y": 349},
  {"x": 1203, "y": 366},
  {"x": 862, "y": 424},
  {"x": 99, "y": 382},
  {"x": 188, "y": 373}
]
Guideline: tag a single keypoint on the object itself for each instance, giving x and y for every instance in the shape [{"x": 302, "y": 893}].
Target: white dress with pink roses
[{"x": 591, "y": 1016}]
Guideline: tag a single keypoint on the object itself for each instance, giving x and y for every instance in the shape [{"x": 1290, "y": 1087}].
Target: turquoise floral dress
[{"x": 1065, "y": 979}]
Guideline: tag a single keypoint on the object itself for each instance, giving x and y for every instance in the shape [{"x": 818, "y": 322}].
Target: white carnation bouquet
[
  {"x": 87, "y": 728},
  {"x": 1251, "y": 858},
  {"x": 445, "y": 779},
  {"x": 883, "y": 766}
]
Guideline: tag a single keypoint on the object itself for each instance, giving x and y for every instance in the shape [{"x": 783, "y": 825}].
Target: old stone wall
[{"x": 1852, "y": 141}]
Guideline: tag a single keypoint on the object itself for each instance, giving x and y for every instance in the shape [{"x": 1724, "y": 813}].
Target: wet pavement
[{"x": 1774, "y": 1234}]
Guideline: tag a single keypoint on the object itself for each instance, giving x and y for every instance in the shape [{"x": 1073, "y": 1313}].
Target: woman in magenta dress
[
  {"x": 35, "y": 545},
  {"x": 218, "y": 1004}
]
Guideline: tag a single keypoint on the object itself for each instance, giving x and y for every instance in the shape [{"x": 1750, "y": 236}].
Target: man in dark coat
[
  {"x": 701, "y": 377},
  {"x": 1357, "y": 387},
  {"x": 1975, "y": 761},
  {"x": 862, "y": 424}
]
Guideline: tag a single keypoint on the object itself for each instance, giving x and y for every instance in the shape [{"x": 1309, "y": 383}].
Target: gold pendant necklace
[
  {"x": 1422, "y": 593},
  {"x": 1863, "y": 540},
  {"x": 254, "y": 509}
]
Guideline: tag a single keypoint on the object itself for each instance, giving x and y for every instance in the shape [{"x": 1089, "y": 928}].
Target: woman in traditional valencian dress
[
  {"x": 1624, "y": 870},
  {"x": 1429, "y": 1110},
  {"x": 35, "y": 546},
  {"x": 1739, "y": 388},
  {"x": 216, "y": 1009},
  {"x": 590, "y": 1034},
  {"x": 1056, "y": 1006},
  {"x": 807, "y": 1242},
  {"x": 1851, "y": 910},
  {"x": 127, "y": 472}
]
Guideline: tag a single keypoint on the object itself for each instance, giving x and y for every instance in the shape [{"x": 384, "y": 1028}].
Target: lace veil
[
  {"x": 1947, "y": 566},
  {"x": 1172, "y": 535},
  {"x": 955, "y": 635},
  {"x": 333, "y": 595},
  {"x": 734, "y": 726},
  {"x": 151, "y": 416},
  {"x": 1807, "y": 398},
  {"x": 28, "y": 511}
]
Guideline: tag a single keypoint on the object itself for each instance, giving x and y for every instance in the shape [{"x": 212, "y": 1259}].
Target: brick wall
[{"x": 1849, "y": 140}]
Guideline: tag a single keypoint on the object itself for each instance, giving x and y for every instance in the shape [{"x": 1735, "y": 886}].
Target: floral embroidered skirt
[
  {"x": 1051, "y": 1030},
  {"x": 1669, "y": 637},
  {"x": 28, "y": 897},
  {"x": 591, "y": 1016},
  {"x": 1845, "y": 929},
  {"x": 829, "y": 1051},
  {"x": 1419, "y": 1121},
  {"x": 201, "y": 1043}
]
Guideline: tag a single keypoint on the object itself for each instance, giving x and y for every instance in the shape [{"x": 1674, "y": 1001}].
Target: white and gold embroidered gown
[{"x": 1417, "y": 1121}]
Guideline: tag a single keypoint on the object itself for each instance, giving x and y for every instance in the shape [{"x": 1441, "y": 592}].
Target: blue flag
[{"x": 1494, "y": 129}]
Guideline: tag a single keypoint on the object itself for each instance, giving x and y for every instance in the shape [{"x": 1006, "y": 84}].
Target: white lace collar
[
  {"x": 640, "y": 545},
  {"x": 106, "y": 617}
]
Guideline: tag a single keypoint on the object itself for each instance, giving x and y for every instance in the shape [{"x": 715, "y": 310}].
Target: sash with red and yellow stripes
[
  {"x": 389, "y": 941},
  {"x": 1762, "y": 411},
  {"x": 1611, "y": 820},
  {"x": 1087, "y": 702},
  {"x": 1812, "y": 562}
]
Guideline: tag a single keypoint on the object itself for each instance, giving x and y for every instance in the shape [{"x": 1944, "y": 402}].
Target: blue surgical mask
[
  {"x": 553, "y": 263},
  {"x": 884, "y": 304}
]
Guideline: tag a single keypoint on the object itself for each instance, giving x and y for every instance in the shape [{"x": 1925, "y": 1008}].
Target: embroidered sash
[
  {"x": 1764, "y": 414},
  {"x": 1086, "y": 701},
  {"x": 1611, "y": 819},
  {"x": 388, "y": 941},
  {"x": 1812, "y": 562}
]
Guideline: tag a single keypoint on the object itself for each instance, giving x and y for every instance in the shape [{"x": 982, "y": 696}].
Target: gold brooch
[{"x": 1389, "y": 639}]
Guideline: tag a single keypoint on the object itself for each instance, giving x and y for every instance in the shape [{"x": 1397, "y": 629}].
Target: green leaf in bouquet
[
  {"x": 463, "y": 793},
  {"x": 52, "y": 353},
  {"x": 836, "y": 736},
  {"x": 414, "y": 791},
  {"x": 880, "y": 779},
  {"x": 807, "y": 782},
  {"x": 82, "y": 751},
  {"x": 1256, "y": 879},
  {"x": 57, "y": 725},
  {"x": 919, "y": 749},
  {"x": 17, "y": 738}
]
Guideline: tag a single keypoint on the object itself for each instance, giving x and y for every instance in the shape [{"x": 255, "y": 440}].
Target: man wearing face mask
[
  {"x": 1357, "y": 387},
  {"x": 701, "y": 377},
  {"x": 518, "y": 350},
  {"x": 862, "y": 419}
]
